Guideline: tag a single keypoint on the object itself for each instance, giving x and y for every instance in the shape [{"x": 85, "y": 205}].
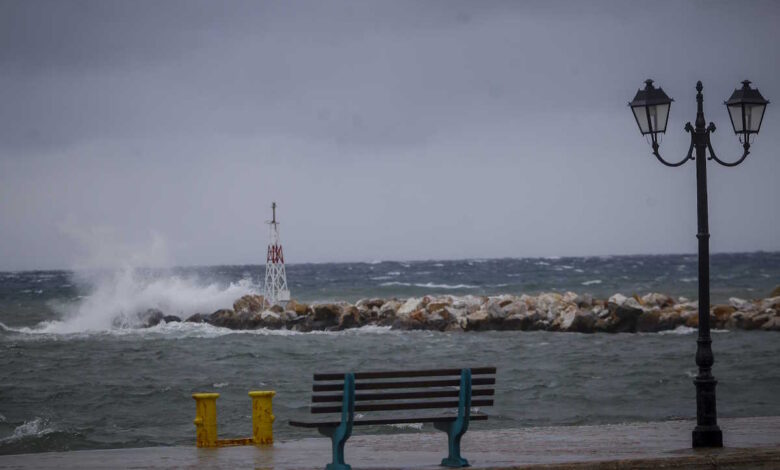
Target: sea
[{"x": 78, "y": 372}]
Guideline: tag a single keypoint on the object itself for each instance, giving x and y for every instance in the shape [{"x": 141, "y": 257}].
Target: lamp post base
[{"x": 707, "y": 436}]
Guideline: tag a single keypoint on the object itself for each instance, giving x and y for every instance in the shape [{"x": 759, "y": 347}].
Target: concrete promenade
[{"x": 749, "y": 443}]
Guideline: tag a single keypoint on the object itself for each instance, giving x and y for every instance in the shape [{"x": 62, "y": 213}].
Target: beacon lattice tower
[{"x": 276, "y": 290}]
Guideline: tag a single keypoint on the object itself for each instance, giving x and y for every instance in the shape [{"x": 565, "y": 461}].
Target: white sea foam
[
  {"x": 116, "y": 298},
  {"x": 220, "y": 384},
  {"x": 594, "y": 281},
  {"x": 429, "y": 285},
  {"x": 36, "y": 427},
  {"x": 185, "y": 330},
  {"x": 406, "y": 425},
  {"x": 687, "y": 330},
  {"x": 689, "y": 279},
  {"x": 680, "y": 330}
]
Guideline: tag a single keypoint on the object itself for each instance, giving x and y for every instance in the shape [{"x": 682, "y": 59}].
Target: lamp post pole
[
  {"x": 707, "y": 433},
  {"x": 746, "y": 109}
]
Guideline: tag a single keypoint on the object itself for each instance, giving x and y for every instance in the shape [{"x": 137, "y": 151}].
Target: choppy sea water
[{"x": 75, "y": 373}]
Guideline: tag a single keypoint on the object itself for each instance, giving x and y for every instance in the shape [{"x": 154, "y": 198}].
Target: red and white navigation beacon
[{"x": 276, "y": 291}]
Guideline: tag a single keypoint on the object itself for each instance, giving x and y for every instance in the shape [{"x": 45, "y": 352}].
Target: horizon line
[{"x": 377, "y": 261}]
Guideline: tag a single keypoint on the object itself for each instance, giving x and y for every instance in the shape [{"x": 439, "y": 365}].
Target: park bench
[{"x": 384, "y": 394}]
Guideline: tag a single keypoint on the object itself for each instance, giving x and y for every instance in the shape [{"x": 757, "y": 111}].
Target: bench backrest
[{"x": 404, "y": 390}]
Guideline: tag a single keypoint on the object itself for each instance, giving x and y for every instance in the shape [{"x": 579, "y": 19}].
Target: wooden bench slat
[
  {"x": 394, "y": 374},
  {"x": 337, "y": 387},
  {"x": 416, "y": 405},
  {"x": 378, "y": 421},
  {"x": 401, "y": 395}
]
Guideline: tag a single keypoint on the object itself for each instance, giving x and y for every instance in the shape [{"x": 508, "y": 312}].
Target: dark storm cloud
[{"x": 450, "y": 122}]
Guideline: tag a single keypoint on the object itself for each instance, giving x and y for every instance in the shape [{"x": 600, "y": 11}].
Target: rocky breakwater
[{"x": 550, "y": 311}]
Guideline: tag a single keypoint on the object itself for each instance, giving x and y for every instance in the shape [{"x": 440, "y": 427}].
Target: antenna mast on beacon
[{"x": 276, "y": 291}]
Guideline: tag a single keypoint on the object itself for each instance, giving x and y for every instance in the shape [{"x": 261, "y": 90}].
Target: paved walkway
[{"x": 749, "y": 443}]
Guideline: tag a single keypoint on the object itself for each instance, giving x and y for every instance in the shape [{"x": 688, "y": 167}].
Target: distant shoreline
[{"x": 375, "y": 262}]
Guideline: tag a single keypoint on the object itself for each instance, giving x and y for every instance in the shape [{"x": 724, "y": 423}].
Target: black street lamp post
[{"x": 746, "y": 109}]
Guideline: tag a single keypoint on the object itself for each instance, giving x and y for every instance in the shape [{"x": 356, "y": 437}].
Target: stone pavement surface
[{"x": 749, "y": 443}]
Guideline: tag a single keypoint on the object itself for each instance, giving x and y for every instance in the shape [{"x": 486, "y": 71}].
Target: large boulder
[
  {"x": 440, "y": 320},
  {"x": 387, "y": 312},
  {"x": 411, "y": 305},
  {"x": 518, "y": 320},
  {"x": 741, "y": 304},
  {"x": 623, "y": 318},
  {"x": 297, "y": 307},
  {"x": 584, "y": 301},
  {"x": 771, "y": 302},
  {"x": 370, "y": 303},
  {"x": 224, "y": 318},
  {"x": 197, "y": 318},
  {"x": 350, "y": 318},
  {"x": 268, "y": 319},
  {"x": 773, "y": 324},
  {"x": 657, "y": 300},
  {"x": 438, "y": 304},
  {"x": 325, "y": 316},
  {"x": 575, "y": 320},
  {"x": 469, "y": 302},
  {"x": 495, "y": 309},
  {"x": 747, "y": 320},
  {"x": 416, "y": 320},
  {"x": 516, "y": 307},
  {"x": 550, "y": 304},
  {"x": 653, "y": 321},
  {"x": 478, "y": 320},
  {"x": 250, "y": 303},
  {"x": 686, "y": 305},
  {"x": 152, "y": 317},
  {"x": 722, "y": 313},
  {"x": 618, "y": 299}
]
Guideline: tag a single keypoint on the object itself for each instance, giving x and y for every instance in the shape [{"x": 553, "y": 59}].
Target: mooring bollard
[
  {"x": 262, "y": 417},
  {"x": 205, "y": 419}
]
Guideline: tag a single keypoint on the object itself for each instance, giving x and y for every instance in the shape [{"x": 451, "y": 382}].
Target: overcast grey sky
[{"x": 384, "y": 130}]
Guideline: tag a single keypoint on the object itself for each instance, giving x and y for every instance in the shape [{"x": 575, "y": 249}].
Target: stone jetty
[{"x": 550, "y": 311}]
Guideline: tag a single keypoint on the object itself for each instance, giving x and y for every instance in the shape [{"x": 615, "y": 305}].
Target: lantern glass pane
[
  {"x": 641, "y": 118},
  {"x": 735, "y": 111},
  {"x": 753, "y": 115},
  {"x": 659, "y": 114}
]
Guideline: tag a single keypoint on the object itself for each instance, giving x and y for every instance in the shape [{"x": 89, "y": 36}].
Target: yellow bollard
[
  {"x": 262, "y": 417},
  {"x": 206, "y": 419}
]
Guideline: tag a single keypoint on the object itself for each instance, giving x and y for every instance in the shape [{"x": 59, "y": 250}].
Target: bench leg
[
  {"x": 338, "y": 439},
  {"x": 454, "y": 432}
]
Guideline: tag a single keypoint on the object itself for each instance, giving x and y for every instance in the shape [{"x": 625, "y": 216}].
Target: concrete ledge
[{"x": 750, "y": 443}]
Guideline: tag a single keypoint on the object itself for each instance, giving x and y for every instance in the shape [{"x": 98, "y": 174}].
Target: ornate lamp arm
[
  {"x": 689, "y": 129},
  {"x": 745, "y": 146}
]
